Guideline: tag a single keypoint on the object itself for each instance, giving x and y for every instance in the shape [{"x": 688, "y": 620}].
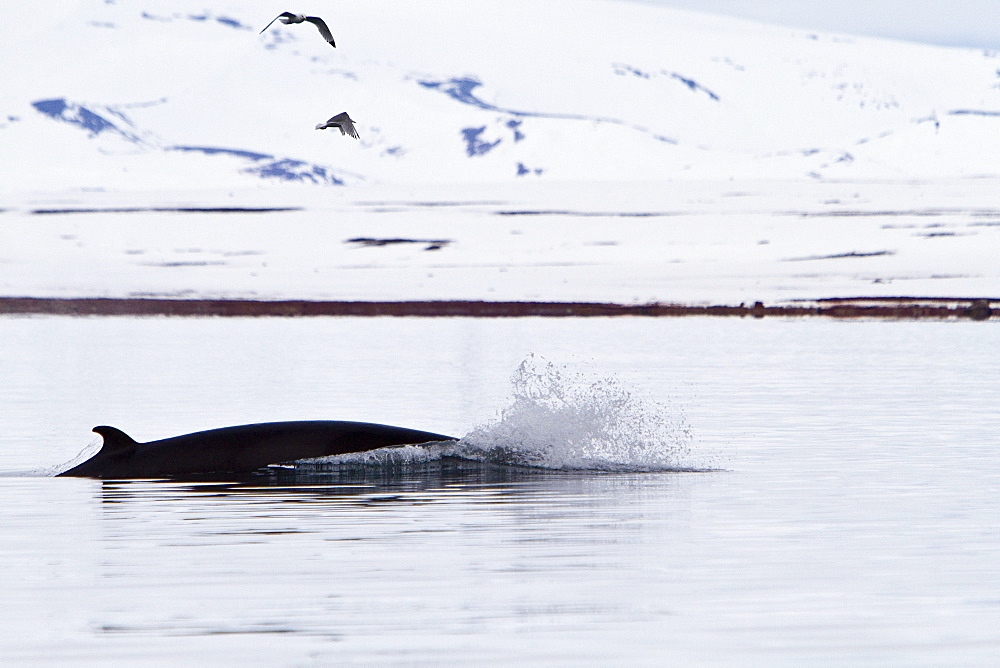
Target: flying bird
[
  {"x": 288, "y": 17},
  {"x": 342, "y": 121}
]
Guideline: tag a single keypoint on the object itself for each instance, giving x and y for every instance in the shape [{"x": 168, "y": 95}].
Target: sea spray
[
  {"x": 393, "y": 456},
  {"x": 93, "y": 447},
  {"x": 560, "y": 418}
]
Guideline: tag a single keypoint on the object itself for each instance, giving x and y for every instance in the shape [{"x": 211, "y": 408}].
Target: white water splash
[
  {"x": 557, "y": 419},
  {"x": 573, "y": 420},
  {"x": 389, "y": 457},
  {"x": 92, "y": 449}
]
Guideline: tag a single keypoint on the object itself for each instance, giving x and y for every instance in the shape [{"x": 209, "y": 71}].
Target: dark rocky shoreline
[{"x": 908, "y": 308}]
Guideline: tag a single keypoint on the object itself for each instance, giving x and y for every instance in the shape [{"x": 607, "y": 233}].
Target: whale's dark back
[{"x": 239, "y": 449}]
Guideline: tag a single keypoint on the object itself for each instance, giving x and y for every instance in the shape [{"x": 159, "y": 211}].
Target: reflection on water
[
  {"x": 298, "y": 561},
  {"x": 351, "y": 484}
]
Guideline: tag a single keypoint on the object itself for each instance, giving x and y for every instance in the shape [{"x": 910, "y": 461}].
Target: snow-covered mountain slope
[{"x": 151, "y": 94}]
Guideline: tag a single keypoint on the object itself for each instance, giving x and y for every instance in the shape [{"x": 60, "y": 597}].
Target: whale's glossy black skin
[{"x": 240, "y": 449}]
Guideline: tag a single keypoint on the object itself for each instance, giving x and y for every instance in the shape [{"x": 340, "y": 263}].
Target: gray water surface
[{"x": 849, "y": 516}]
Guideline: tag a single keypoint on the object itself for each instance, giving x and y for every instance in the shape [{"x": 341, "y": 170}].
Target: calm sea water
[{"x": 847, "y": 513}]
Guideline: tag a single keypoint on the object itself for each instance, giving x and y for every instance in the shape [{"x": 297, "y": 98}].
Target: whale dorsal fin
[{"x": 115, "y": 440}]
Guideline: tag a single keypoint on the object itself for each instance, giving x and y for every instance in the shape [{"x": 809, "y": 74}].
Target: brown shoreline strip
[
  {"x": 166, "y": 209},
  {"x": 888, "y": 308}
]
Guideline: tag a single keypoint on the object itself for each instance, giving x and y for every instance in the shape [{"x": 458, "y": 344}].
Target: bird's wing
[
  {"x": 342, "y": 122},
  {"x": 348, "y": 126},
  {"x": 323, "y": 30},
  {"x": 275, "y": 19}
]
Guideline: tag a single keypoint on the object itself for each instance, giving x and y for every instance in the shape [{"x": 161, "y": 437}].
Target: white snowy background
[{"x": 568, "y": 149}]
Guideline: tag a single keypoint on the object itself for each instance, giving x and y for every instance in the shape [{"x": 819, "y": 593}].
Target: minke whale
[{"x": 240, "y": 449}]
